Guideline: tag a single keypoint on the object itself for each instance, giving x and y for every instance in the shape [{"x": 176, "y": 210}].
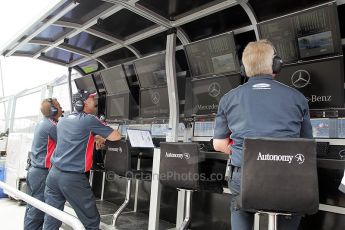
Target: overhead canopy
[{"x": 93, "y": 34}]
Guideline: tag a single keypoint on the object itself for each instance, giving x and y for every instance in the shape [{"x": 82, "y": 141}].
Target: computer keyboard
[{"x": 322, "y": 149}]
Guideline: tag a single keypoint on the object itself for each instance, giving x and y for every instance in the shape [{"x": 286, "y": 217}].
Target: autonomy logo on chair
[{"x": 299, "y": 158}]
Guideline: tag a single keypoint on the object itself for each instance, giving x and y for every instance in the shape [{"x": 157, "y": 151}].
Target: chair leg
[
  {"x": 272, "y": 221},
  {"x": 186, "y": 220},
  {"x": 103, "y": 182},
  {"x": 125, "y": 203}
]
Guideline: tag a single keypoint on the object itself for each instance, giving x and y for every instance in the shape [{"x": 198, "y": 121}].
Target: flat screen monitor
[
  {"x": 151, "y": 71},
  {"x": 213, "y": 56},
  {"x": 140, "y": 138},
  {"x": 86, "y": 83},
  {"x": 206, "y": 93},
  {"x": 316, "y": 44},
  {"x": 310, "y": 33},
  {"x": 118, "y": 107},
  {"x": 204, "y": 129},
  {"x": 154, "y": 102},
  {"x": 320, "y": 81},
  {"x": 114, "y": 80}
]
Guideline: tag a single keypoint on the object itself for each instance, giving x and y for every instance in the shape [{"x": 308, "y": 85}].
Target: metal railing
[{"x": 54, "y": 212}]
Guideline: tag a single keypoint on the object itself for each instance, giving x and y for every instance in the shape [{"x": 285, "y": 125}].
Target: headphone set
[
  {"x": 78, "y": 101},
  {"x": 277, "y": 63},
  {"x": 53, "y": 111}
]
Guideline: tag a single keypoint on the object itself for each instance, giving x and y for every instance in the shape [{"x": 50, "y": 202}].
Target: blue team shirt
[
  {"x": 74, "y": 150},
  {"x": 44, "y": 143},
  {"x": 262, "y": 107}
]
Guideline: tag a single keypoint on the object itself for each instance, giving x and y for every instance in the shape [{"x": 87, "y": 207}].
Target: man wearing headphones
[
  {"x": 72, "y": 158},
  {"x": 261, "y": 107},
  {"x": 42, "y": 148}
]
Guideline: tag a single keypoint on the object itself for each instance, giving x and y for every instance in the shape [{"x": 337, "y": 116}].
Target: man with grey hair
[{"x": 262, "y": 107}]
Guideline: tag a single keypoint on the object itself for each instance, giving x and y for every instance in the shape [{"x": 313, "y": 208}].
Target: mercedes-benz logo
[
  {"x": 155, "y": 97},
  {"x": 214, "y": 89},
  {"x": 300, "y": 78}
]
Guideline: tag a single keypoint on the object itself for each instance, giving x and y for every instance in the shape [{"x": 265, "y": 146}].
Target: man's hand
[{"x": 99, "y": 142}]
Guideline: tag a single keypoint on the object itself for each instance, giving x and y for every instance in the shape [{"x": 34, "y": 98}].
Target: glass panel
[
  {"x": 152, "y": 44},
  {"x": 52, "y": 33},
  {"x": 29, "y": 48},
  {"x": 266, "y": 9},
  {"x": 2, "y": 116},
  {"x": 86, "y": 10},
  {"x": 62, "y": 55},
  {"x": 171, "y": 8},
  {"x": 62, "y": 95},
  {"x": 26, "y": 113},
  {"x": 87, "y": 42},
  {"x": 123, "y": 24},
  {"x": 118, "y": 56},
  {"x": 221, "y": 22}
]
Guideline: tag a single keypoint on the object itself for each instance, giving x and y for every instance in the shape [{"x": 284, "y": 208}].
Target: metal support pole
[
  {"x": 187, "y": 218},
  {"x": 172, "y": 85},
  {"x": 125, "y": 203},
  {"x": 54, "y": 212},
  {"x": 156, "y": 189},
  {"x": 69, "y": 79}
]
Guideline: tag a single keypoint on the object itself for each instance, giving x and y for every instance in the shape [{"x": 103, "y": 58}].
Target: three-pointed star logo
[
  {"x": 214, "y": 89},
  {"x": 300, "y": 78},
  {"x": 155, "y": 97}
]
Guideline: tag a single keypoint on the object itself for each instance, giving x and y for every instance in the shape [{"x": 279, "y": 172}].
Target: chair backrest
[
  {"x": 179, "y": 165},
  {"x": 118, "y": 157},
  {"x": 279, "y": 175}
]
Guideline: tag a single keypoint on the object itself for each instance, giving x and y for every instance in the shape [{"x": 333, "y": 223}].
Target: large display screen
[
  {"x": 114, "y": 80},
  {"x": 311, "y": 33},
  {"x": 316, "y": 44},
  {"x": 86, "y": 83},
  {"x": 151, "y": 71},
  {"x": 321, "y": 81},
  {"x": 213, "y": 56},
  {"x": 154, "y": 103},
  {"x": 206, "y": 93},
  {"x": 118, "y": 107}
]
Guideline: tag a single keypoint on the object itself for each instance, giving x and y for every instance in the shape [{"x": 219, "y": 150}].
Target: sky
[{"x": 21, "y": 73}]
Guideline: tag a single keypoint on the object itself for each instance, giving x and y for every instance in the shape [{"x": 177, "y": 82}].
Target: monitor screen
[
  {"x": 204, "y": 129},
  {"x": 151, "y": 71},
  {"x": 216, "y": 55},
  {"x": 310, "y": 33},
  {"x": 154, "y": 103},
  {"x": 114, "y": 80},
  {"x": 208, "y": 92},
  {"x": 86, "y": 83},
  {"x": 117, "y": 107},
  {"x": 140, "y": 138},
  {"x": 316, "y": 44},
  {"x": 321, "y": 81}
]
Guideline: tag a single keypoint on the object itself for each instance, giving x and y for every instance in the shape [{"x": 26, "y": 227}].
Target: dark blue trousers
[
  {"x": 241, "y": 220},
  {"x": 75, "y": 188},
  {"x": 36, "y": 182}
]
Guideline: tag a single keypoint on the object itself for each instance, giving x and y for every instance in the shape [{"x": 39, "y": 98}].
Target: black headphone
[
  {"x": 53, "y": 111},
  {"x": 277, "y": 63},
  {"x": 78, "y": 101}
]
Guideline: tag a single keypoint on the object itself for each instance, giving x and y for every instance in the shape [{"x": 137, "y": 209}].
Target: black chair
[
  {"x": 279, "y": 177},
  {"x": 119, "y": 160},
  {"x": 181, "y": 168}
]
